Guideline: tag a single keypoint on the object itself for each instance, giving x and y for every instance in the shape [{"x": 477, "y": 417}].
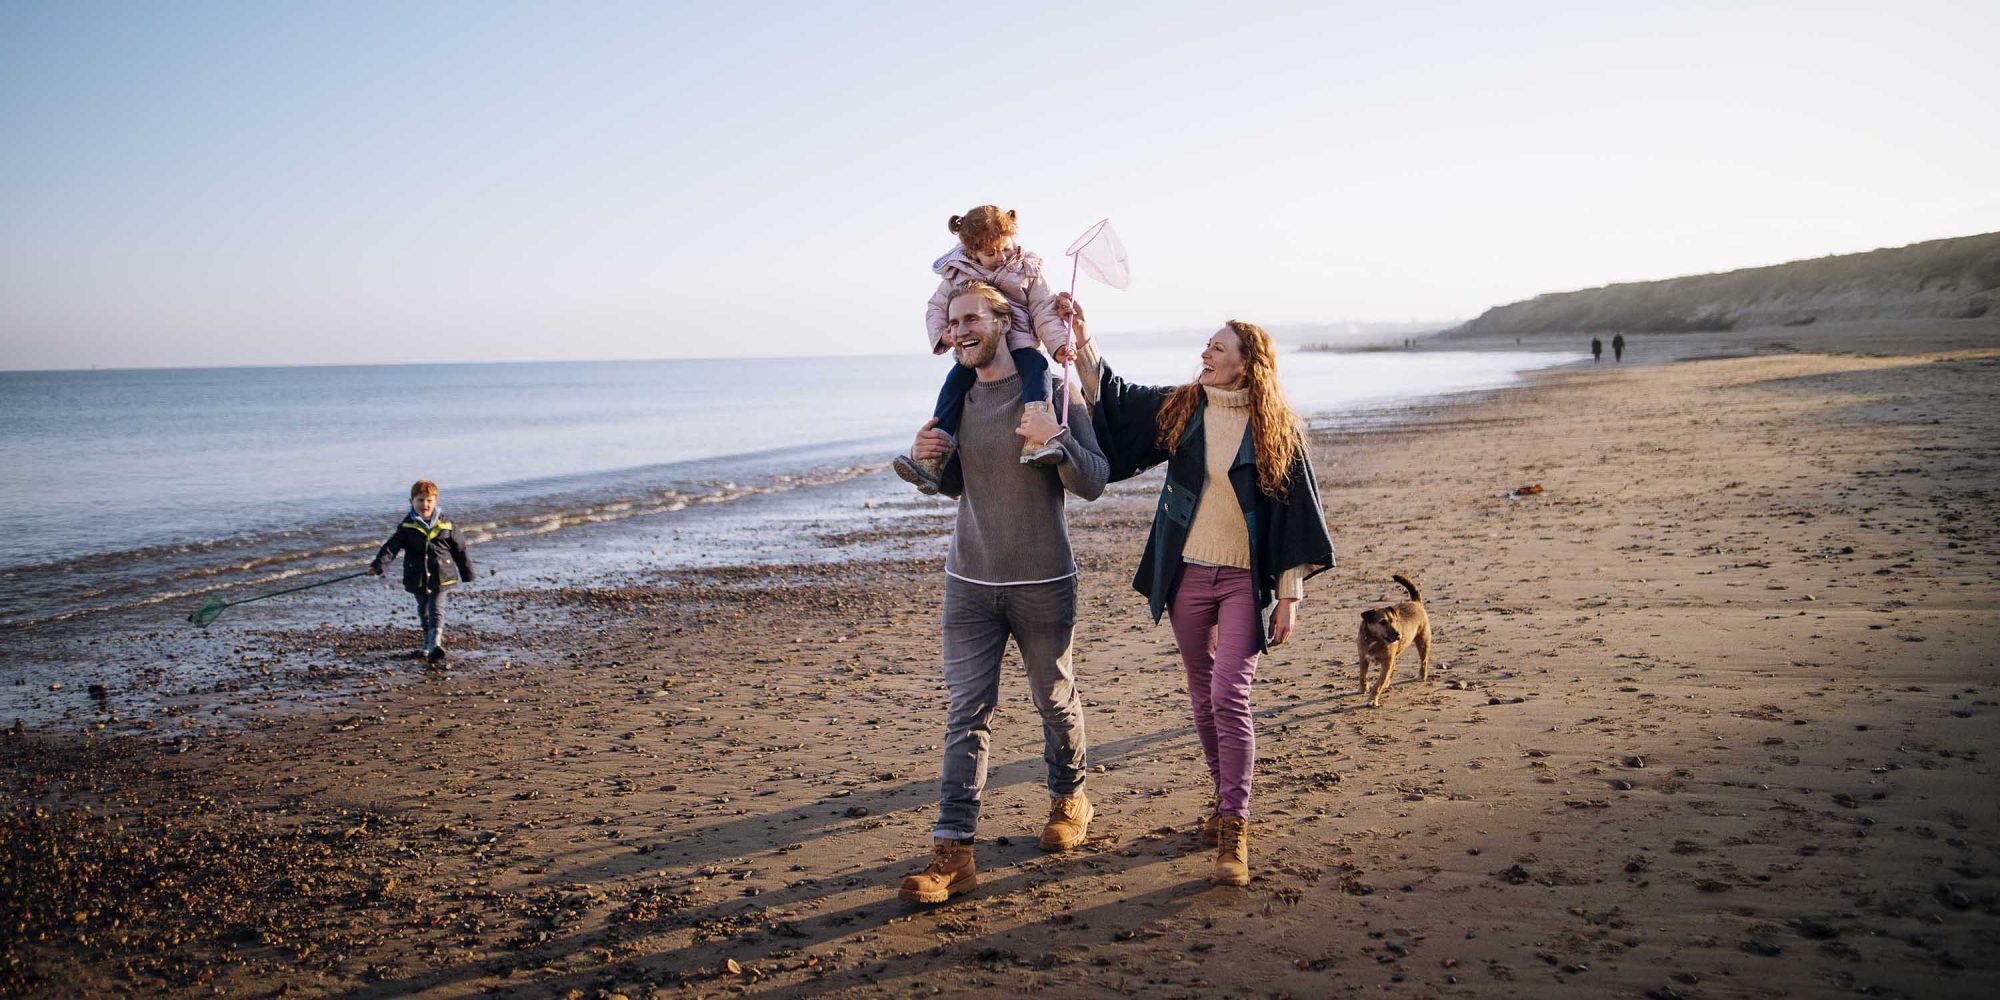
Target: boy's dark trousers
[
  {"x": 1030, "y": 362},
  {"x": 430, "y": 611}
]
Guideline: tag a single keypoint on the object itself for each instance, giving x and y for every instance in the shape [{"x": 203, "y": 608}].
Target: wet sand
[{"x": 1713, "y": 716}]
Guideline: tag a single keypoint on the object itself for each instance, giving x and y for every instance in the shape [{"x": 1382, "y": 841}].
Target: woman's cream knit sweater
[{"x": 1219, "y": 536}]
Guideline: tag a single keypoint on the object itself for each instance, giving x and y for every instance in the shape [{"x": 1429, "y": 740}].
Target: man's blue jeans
[{"x": 978, "y": 620}]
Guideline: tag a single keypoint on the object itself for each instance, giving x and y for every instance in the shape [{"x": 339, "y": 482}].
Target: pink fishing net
[{"x": 1100, "y": 254}]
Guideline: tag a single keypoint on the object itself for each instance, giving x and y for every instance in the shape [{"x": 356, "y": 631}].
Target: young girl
[{"x": 986, "y": 251}]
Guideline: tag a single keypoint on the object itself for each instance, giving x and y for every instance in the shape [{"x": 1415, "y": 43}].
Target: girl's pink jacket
[{"x": 1019, "y": 277}]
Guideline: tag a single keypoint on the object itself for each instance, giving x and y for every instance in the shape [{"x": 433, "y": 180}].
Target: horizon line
[{"x": 1443, "y": 325}]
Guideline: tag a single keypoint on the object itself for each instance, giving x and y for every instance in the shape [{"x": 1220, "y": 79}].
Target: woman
[{"x": 1228, "y": 564}]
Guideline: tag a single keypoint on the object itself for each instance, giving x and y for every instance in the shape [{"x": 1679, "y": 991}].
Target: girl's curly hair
[{"x": 983, "y": 229}]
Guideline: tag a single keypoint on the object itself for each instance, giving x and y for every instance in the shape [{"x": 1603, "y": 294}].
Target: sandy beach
[{"x": 1714, "y": 716}]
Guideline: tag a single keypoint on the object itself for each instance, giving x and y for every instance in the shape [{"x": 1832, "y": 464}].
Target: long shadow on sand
[
  {"x": 1026, "y": 867},
  {"x": 772, "y": 831}
]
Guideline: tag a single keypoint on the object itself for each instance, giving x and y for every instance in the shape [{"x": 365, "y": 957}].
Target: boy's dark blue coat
[{"x": 443, "y": 560}]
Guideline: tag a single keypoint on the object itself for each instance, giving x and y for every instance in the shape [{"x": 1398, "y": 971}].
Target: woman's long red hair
[{"x": 1275, "y": 436}]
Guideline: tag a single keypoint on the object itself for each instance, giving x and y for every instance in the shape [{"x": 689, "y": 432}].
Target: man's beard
[{"x": 982, "y": 355}]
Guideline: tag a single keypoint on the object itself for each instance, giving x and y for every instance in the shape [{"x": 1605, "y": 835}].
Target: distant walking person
[
  {"x": 1618, "y": 347},
  {"x": 1596, "y": 350},
  {"x": 1009, "y": 572}
]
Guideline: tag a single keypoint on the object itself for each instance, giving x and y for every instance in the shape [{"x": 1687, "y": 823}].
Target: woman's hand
[
  {"x": 1071, "y": 312},
  {"x": 1281, "y": 621}
]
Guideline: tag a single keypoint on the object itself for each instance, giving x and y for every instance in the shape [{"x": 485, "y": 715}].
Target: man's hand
[
  {"x": 374, "y": 570},
  {"x": 1037, "y": 427},
  {"x": 931, "y": 445},
  {"x": 1281, "y": 620}
]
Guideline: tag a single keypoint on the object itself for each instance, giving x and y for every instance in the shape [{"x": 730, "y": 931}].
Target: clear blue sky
[{"x": 257, "y": 183}]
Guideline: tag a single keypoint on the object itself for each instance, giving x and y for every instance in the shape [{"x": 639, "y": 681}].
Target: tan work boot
[
  {"x": 1069, "y": 822},
  {"x": 1232, "y": 853},
  {"x": 1048, "y": 453},
  {"x": 950, "y": 873},
  {"x": 1211, "y": 823}
]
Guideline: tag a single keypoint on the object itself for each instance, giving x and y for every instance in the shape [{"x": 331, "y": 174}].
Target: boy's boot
[
  {"x": 950, "y": 872},
  {"x": 1069, "y": 822},
  {"x": 925, "y": 474},
  {"x": 434, "y": 643},
  {"x": 1232, "y": 852},
  {"x": 1211, "y": 824},
  {"x": 1047, "y": 454}
]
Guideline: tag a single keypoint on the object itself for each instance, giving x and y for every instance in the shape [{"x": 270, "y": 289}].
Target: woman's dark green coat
[{"x": 1283, "y": 533}]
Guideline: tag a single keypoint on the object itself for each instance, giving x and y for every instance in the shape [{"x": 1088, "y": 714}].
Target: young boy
[{"x": 436, "y": 560}]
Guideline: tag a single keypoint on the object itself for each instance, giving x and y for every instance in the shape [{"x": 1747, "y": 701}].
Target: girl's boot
[
  {"x": 1047, "y": 454},
  {"x": 924, "y": 474}
]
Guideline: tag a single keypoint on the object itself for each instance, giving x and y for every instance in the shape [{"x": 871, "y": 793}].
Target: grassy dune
[{"x": 1940, "y": 279}]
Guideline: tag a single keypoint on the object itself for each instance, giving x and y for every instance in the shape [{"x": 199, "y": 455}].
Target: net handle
[
  {"x": 307, "y": 586},
  {"x": 1068, "y": 329},
  {"x": 212, "y": 610}
]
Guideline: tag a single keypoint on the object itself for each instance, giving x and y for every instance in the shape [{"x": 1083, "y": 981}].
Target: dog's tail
[{"x": 1415, "y": 595}]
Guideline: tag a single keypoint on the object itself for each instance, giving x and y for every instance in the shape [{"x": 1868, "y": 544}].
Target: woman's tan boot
[
  {"x": 1211, "y": 823},
  {"x": 1232, "y": 853}
]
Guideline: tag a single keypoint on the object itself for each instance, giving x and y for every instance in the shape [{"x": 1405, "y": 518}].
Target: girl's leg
[
  {"x": 1193, "y": 617},
  {"x": 1237, "y": 632},
  {"x": 1034, "y": 368},
  {"x": 951, "y": 399},
  {"x": 925, "y": 474}
]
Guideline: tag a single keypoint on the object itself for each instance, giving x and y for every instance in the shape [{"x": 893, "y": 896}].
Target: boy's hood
[{"x": 437, "y": 513}]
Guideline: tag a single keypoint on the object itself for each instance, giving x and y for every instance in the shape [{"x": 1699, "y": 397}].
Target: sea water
[{"x": 138, "y": 486}]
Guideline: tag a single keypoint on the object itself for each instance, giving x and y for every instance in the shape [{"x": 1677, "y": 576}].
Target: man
[
  {"x": 1618, "y": 347},
  {"x": 1596, "y": 349},
  {"x": 1009, "y": 573}
]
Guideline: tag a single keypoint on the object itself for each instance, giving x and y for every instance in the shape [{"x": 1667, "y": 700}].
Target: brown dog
[{"x": 1386, "y": 632}]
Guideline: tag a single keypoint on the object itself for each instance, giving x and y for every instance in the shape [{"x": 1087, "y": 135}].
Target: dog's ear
[{"x": 1371, "y": 616}]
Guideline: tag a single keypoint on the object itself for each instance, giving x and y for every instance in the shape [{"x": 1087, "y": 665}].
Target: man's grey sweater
[{"x": 1011, "y": 526}]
